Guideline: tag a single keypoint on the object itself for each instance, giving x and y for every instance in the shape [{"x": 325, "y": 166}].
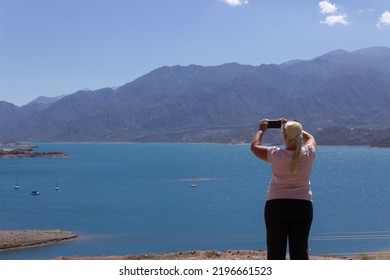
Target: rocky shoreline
[
  {"x": 226, "y": 255},
  {"x": 195, "y": 255}
]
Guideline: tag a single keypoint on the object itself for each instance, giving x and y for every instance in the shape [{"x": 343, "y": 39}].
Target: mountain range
[{"x": 215, "y": 103}]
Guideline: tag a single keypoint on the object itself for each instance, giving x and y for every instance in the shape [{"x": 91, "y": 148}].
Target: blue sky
[{"x": 56, "y": 47}]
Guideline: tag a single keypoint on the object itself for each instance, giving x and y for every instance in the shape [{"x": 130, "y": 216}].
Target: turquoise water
[{"x": 137, "y": 198}]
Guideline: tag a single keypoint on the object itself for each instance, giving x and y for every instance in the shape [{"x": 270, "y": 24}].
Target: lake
[{"x": 139, "y": 199}]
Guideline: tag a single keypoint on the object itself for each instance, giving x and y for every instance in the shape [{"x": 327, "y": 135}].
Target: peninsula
[{"x": 20, "y": 239}]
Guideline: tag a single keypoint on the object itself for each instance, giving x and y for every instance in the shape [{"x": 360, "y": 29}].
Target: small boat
[
  {"x": 57, "y": 188},
  {"x": 35, "y": 193},
  {"x": 193, "y": 186},
  {"x": 16, "y": 186}
]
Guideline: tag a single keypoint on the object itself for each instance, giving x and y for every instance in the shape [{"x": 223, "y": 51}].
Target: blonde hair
[{"x": 293, "y": 132}]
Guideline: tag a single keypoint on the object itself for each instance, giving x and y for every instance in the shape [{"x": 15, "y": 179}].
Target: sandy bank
[{"x": 30, "y": 238}]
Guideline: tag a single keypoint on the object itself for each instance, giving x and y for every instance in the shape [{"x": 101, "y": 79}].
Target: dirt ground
[
  {"x": 226, "y": 255},
  {"x": 192, "y": 255}
]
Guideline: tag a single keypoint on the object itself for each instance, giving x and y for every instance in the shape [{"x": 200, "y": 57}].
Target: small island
[{"x": 21, "y": 150}]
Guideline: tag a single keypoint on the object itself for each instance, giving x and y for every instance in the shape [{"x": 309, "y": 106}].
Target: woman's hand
[{"x": 263, "y": 125}]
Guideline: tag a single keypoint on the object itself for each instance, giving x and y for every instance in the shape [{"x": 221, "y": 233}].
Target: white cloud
[
  {"x": 384, "y": 20},
  {"x": 334, "y": 16},
  {"x": 234, "y": 3},
  {"x": 336, "y": 19},
  {"x": 327, "y": 8}
]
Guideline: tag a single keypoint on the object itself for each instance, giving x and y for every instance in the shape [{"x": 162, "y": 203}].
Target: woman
[{"x": 288, "y": 210}]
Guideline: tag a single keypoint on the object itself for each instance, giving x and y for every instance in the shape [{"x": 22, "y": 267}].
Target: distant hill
[
  {"x": 215, "y": 103},
  {"x": 354, "y": 136},
  {"x": 45, "y": 100}
]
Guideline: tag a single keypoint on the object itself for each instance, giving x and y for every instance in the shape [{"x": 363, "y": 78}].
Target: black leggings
[{"x": 288, "y": 219}]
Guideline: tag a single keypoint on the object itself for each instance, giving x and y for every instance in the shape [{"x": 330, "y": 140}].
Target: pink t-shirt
[{"x": 284, "y": 183}]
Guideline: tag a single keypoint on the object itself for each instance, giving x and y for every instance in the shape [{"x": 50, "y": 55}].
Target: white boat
[
  {"x": 16, "y": 186},
  {"x": 35, "y": 193},
  {"x": 57, "y": 188},
  {"x": 193, "y": 186}
]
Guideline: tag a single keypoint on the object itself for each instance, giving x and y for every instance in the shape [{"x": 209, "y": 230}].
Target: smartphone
[{"x": 274, "y": 124}]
